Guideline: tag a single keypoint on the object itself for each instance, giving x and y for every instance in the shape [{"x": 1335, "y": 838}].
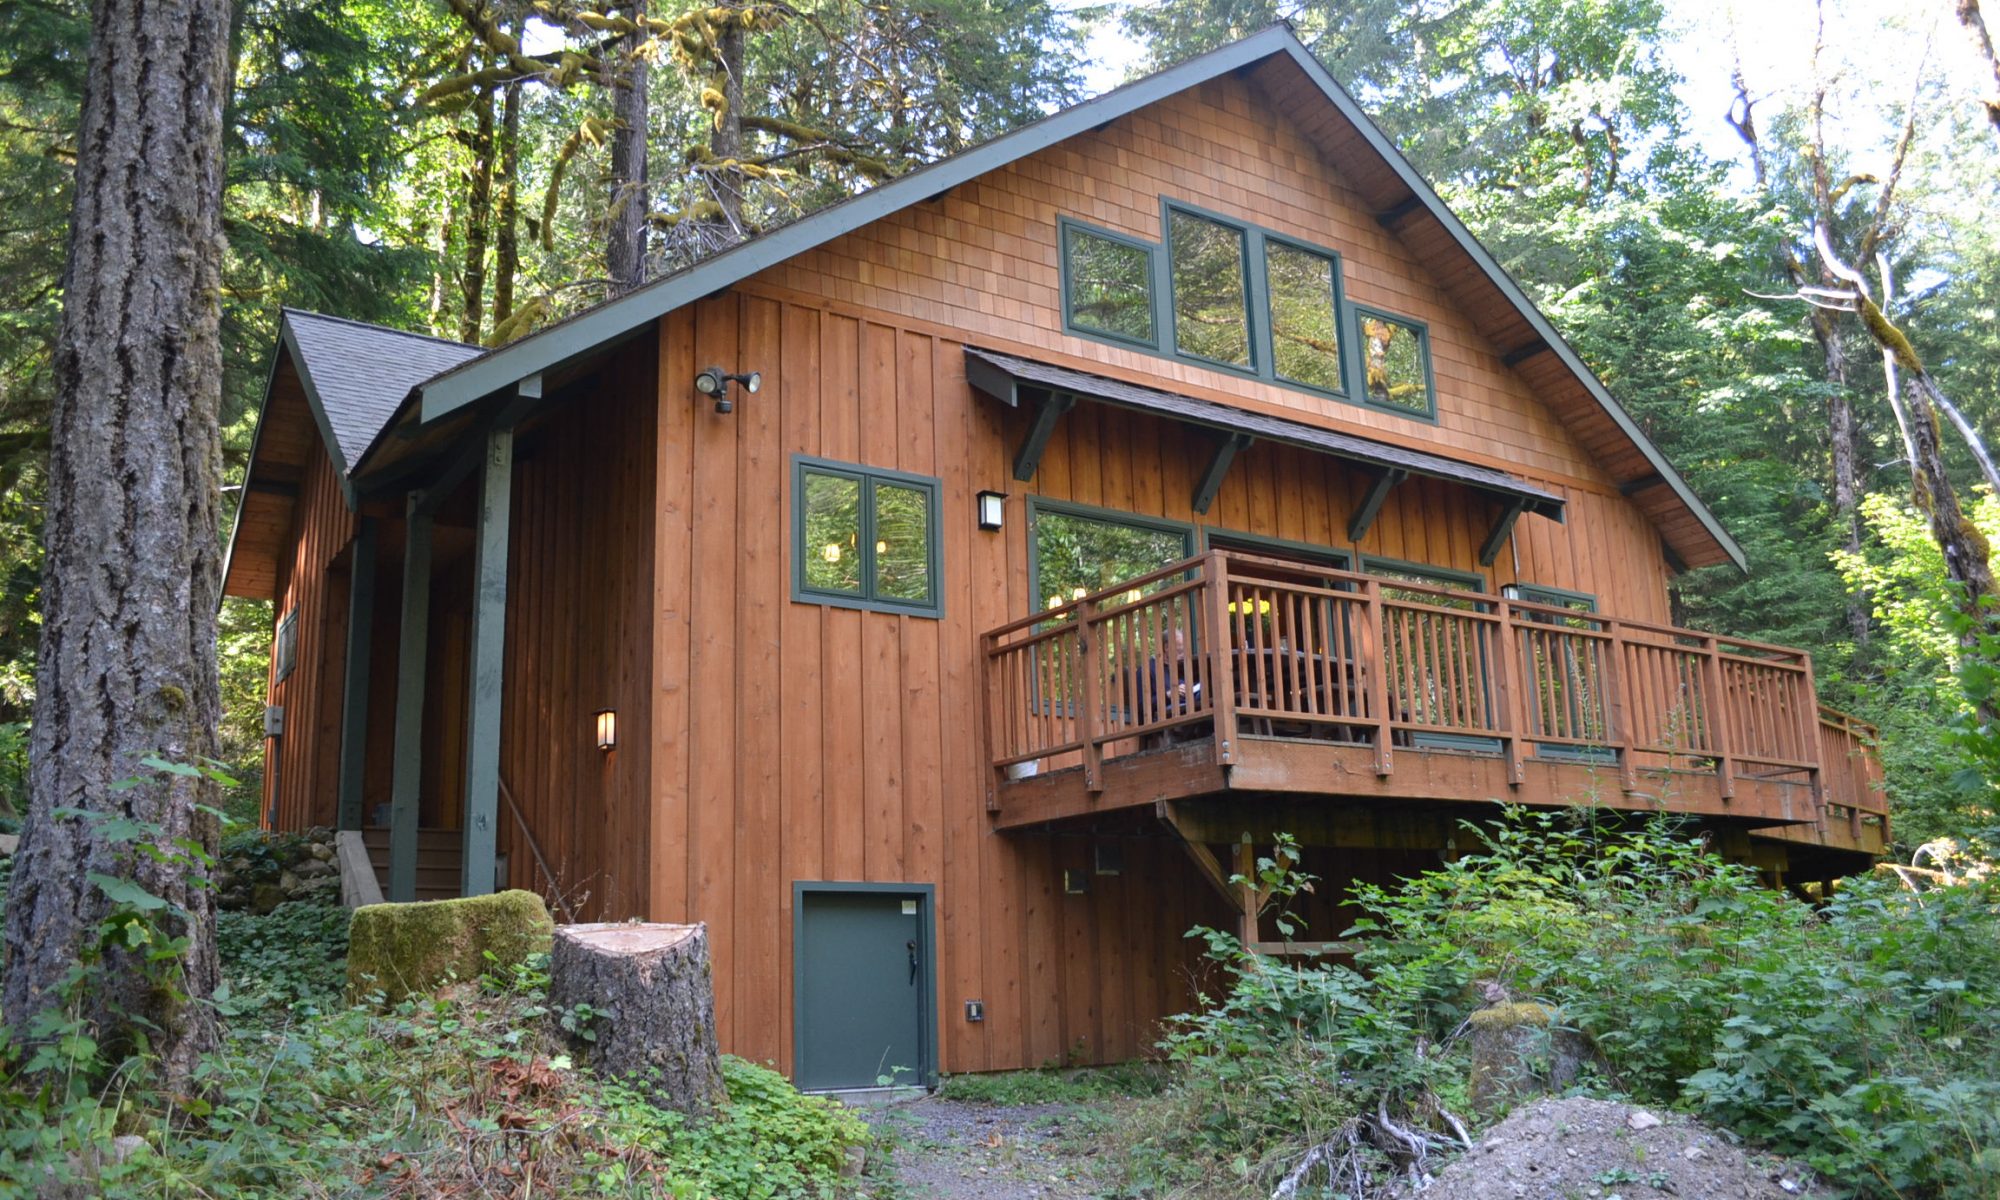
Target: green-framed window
[
  {"x": 285, "y": 647},
  {"x": 1303, "y": 285},
  {"x": 1391, "y": 569},
  {"x": 1108, "y": 285},
  {"x": 1565, "y": 675},
  {"x": 1312, "y": 553},
  {"x": 1395, "y": 353},
  {"x": 1208, "y": 262},
  {"x": 1425, "y": 573},
  {"x": 1075, "y": 549},
  {"x": 1225, "y": 293},
  {"x": 865, "y": 538}
]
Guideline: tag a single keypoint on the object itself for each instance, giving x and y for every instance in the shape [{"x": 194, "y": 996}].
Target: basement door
[{"x": 863, "y": 986}]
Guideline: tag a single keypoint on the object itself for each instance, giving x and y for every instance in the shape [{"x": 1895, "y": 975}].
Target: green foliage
[
  {"x": 295, "y": 957},
  {"x": 13, "y": 774},
  {"x": 1858, "y": 1036}
]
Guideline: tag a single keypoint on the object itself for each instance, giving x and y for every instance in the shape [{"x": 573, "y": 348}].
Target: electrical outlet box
[{"x": 975, "y": 1010}]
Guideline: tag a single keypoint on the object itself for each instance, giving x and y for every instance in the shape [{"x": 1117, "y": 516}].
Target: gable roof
[
  {"x": 356, "y": 375},
  {"x": 1298, "y": 87}
]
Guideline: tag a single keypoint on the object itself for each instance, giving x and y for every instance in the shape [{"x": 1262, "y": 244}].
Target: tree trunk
[
  {"x": 1975, "y": 25},
  {"x": 478, "y": 220},
  {"x": 726, "y": 143},
  {"x": 1967, "y": 558},
  {"x": 131, "y": 581},
  {"x": 625, "y": 236},
  {"x": 654, "y": 1004},
  {"x": 1846, "y": 473},
  {"x": 507, "y": 221}
]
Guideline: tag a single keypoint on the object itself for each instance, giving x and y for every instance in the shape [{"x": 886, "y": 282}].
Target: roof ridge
[{"x": 289, "y": 311}]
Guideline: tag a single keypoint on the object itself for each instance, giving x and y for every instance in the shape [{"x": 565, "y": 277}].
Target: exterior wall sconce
[
  {"x": 607, "y": 729},
  {"x": 992, "y": 510},
  {"x": 714, "y": 382}
]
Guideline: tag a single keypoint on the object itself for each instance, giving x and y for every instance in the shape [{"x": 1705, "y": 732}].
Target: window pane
[
  {"x": 1211, "y": 312},
  {"x": 1305, "y": 326},
  {"x": 1075, "y": 556},
  {"x": 1110, "y": 286},
  {"x": 832, "y": 549},
  {"x": 1419, "y": 575},
  {"x": 1395, "y": 353},
  {"x": 902, "y": 542}
]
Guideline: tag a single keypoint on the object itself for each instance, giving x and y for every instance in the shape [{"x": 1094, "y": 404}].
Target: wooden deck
[{"x": 1337, "y": 685}]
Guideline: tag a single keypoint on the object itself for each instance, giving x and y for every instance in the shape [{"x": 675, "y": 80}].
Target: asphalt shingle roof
[{"x": 360, "y": 373}]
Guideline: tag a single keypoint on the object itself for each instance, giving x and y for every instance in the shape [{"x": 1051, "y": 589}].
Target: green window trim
[
  {"x": 1382, "y": 564},
  {"x": 869, "y": 481},
  {"x": 285, "y": 647},
  {"x": 1331, "y": 557},
  {"x": 1360, "y": 313},
  {"x": 1039, "y": 506},
  {"x": 1068, "y": 230},
  {"x": 1260, "y": 319}
]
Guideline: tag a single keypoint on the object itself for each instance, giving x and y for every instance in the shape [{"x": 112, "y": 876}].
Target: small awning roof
[{"x": 1003, "y": 375}]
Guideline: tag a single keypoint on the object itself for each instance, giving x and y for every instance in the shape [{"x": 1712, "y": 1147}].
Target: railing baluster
[
  {"x": 1510, "y": 694},
  {"x": 1716, "y": 708},
  {"x": 1377, "y": 663},
  {"x": 1090, "y": 663},
  {"x": 1220, "y": 669},
  {"x": 1623, "y": 744}
]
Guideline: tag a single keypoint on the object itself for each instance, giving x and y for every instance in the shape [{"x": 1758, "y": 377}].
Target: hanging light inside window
[{"x": 831, "y": 553}]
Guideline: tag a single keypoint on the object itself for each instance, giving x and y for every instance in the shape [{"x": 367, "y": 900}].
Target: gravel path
[{"x": 949, "y": 1150}]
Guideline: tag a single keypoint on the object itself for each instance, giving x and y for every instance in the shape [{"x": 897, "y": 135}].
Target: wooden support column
[
  {"x": 354, "y": 680},
  {"x": 1088, "y": 665},
  {"x": 1246, "y": 892},
  {"x": 412, "y": 643},
  {"x": 487, "y": 660},
  {"x": 1371, "y": 504},
  {"x": 1717, "y": 713}
]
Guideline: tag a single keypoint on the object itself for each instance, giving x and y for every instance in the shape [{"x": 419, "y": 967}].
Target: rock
[
  {"x": 1642, "y": 1120},
  {"x": 1521, "y": 1050},
  {"x": 266, "y": 897},
  {"x": 400, "y": 949},
  {"x": 313, "y": 868},
  {"x": 322, "y": 851},
  {"x": 319, "y": 833},
  {"x": 9, "y": 843},
  {"x": 1694, "y": 1154}
]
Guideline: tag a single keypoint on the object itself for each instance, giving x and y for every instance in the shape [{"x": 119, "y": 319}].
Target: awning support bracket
[
  {"x": 1226, "y": 451},
  {"x": 1503, "y": 528},
  {"x": 1029, "y": 457},
  {"x": 1371, "y": 504}
]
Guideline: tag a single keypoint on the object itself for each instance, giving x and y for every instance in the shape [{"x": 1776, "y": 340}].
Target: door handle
[{"x": 913, "y": 960}]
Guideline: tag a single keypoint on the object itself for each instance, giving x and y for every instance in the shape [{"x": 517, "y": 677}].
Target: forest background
[{"x": 1651, "y": 173}]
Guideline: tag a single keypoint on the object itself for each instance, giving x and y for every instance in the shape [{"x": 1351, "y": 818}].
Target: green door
[{"x": 862, "y": 959}]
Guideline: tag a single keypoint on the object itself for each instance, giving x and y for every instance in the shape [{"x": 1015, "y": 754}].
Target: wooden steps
[{"x": 440, "y": 861}]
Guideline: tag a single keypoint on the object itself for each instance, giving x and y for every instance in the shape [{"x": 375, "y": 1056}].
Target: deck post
[
  {"x": 1222, "y": 665},
  {"x": 412, "y": 646},
  {"x": 1614, "y": 706},
  {"x": 1375, "y": 660},
  {"x": 1246, "y": 892},
  {"x": 487, "y": 662},
  {"x": 1088, "y": 662},
  {"x": 1717, "y": 713},
  {"x": 1808, "y": 718},
  {"x": 1513, "y": 682},
  {"x": 354, "y": 680}
]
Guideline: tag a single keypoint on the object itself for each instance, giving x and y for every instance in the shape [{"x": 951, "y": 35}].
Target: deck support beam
[
  {"x": 1218, "y": 466},
  {"x": 1503, "y": 528},
  {"x": 412, "y": 648},
  {"x": 487, "y": 654},
  {"x": 354, "y": 679},
  {"x": 1371, "y": 504},
  {"x": 1029, "y": 457}
]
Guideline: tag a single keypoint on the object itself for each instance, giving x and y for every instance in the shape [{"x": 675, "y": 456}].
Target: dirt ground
[
  {"x": 949, "y": 1150},
  {"x": 1581, "y": 1149}
]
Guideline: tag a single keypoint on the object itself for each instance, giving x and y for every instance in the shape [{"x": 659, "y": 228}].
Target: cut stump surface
[{"x": 653, "y": 1004}]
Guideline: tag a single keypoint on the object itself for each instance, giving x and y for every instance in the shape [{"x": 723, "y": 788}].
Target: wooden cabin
[{"x": 940, "y": 594}]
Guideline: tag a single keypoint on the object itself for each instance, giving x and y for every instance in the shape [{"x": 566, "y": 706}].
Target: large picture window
[
  {"x": 1078, "y": 551},
  {"x": 1211, "y": 301},
  {"x": 865, "y": 538},
  {"x": 1108, "y": 284}
]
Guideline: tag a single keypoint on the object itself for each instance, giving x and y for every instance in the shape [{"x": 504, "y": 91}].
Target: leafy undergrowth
[
  {"x": 1859, "y": 1036},
  {"x": 468, "y": 1093}
]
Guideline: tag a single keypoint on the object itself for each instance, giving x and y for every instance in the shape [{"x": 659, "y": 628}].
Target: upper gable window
[
  {"x": 1396, "y": 362},
  {"x": 864, "y": 537},
  {"x": 1304, "y": 287},
  {"x": 1210, "y": 289},
  {"x": 1109, "y": 284}
]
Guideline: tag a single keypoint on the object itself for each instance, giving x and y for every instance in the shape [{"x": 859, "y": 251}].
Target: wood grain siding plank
[{"x": 673, "y": 570}]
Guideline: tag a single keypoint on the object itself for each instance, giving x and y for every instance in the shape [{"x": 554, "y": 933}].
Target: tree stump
[{"x": 653, "y": 1007}]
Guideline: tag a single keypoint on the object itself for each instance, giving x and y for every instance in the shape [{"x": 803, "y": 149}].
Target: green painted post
[
  {"x": 354, "y": 698},
  {"x": 489, "y": 636},
  {"x": 412, "y": 644}
]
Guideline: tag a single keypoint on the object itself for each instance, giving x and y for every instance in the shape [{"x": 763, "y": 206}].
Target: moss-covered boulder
[
  {"x": 1521, "y": 1050},
  {"x": 400, "y": 949}
]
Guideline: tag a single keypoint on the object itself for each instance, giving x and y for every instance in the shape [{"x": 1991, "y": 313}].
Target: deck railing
[{"x": 1227, "y": 644}]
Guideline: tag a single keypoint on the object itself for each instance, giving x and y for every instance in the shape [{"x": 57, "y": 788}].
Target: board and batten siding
[
  {"x": 302, "y": 765},
  {"x": 797, "y": 741}
]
